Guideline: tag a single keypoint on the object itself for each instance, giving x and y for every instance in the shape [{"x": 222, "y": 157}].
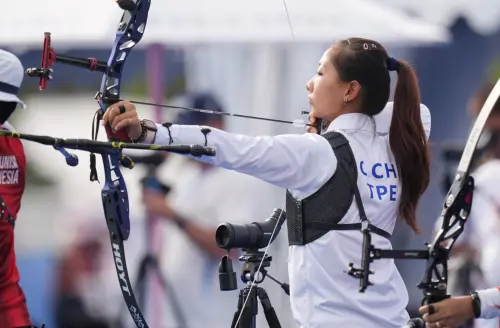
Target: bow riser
[
  {"x": 455, "y": 212},
  {"x": 114, "y": 192},
  {"x": 130, "y": 31}
]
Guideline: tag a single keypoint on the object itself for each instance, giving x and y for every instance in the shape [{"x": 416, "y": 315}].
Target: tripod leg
[
  {"x": 167, "y": 287},
  {"x": 271, "y": 317},
  {"x": 238, "y": 310},
  {"x": 141, "y": 277},
  {"x": 250, "y": 309}
]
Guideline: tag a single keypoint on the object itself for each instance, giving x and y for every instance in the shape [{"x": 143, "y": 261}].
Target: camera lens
[
  {"x": 223, "y": 236},
  {"x": 230, "y": 235},
  {"x": 254, "y": 235}
]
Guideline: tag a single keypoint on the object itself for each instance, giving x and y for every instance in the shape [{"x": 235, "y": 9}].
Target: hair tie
[{"x": 392, "y": 64}]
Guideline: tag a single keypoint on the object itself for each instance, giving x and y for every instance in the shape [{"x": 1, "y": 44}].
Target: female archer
[
  {"x": 13, "y": 309},
  {"x": 323, "y": 174}
]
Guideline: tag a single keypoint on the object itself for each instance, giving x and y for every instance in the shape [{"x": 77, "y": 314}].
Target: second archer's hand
[
  {"x": 450, "y": 313},
  {"x": 123, "y": 116}
]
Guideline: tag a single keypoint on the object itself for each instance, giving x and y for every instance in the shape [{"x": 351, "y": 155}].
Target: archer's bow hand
[
  {"x": 123, "y": 116},
  {"x": 449, "y": 313}
]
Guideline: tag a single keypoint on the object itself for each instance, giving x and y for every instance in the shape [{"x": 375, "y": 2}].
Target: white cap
[{"x": 11, "y": 77}]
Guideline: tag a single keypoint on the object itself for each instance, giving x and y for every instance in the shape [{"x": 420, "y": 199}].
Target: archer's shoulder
[
  {"x": 487, "y": 172},
  {"x": 8, "y": 126},
  {"x": 384, "y": 118},
  {"x": 386, "y": 113}
]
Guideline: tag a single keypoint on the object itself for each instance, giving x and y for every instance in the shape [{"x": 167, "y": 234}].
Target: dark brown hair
[
  {"x": 368, "y": 63},
  {"x": 6, "y": 109}
]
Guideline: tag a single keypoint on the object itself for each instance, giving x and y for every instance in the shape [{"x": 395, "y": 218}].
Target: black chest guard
[{"x": 321, "y": 212}]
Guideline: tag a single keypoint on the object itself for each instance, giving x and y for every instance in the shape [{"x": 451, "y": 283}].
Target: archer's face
[{"x": 325, "y": 90}]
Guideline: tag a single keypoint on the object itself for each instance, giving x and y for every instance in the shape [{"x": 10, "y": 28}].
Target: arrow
[{"x": 296, "y": 123}]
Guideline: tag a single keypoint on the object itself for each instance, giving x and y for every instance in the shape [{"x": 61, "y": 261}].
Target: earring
[{"x": 345, "y": 102}]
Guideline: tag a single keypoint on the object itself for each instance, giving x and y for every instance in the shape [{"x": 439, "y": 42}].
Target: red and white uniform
[{"x": 13, "y": 309}]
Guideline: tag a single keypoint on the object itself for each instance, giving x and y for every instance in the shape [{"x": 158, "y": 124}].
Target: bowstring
[
  {"x": 279, "y": 218},
  {"x": 289, "y": 20}
]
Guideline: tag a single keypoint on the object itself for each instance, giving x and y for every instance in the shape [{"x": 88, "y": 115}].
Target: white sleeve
[
  {"x": 8, "y": 126},
  {"x": 490, "y": 303},
  {"x": 298, "y": 162},
  {"x": 384, "y": 118}
]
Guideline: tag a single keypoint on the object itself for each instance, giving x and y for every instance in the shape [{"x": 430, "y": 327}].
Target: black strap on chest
[
  {"x": 5, "y": 214},
  {"x": 362, "y": 214},
  {"x": 316, "y": 215}
]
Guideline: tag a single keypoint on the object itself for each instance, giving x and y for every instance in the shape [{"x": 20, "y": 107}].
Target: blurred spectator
[{"x": 76, "y": 283}]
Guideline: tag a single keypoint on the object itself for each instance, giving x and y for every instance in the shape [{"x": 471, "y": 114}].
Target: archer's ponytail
[{"x": 408, "y": 143}]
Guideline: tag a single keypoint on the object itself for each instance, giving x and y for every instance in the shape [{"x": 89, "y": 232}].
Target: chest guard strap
[{"x": 321, "y": 212}]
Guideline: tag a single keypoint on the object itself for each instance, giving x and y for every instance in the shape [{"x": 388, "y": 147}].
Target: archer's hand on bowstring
[
  {"x": 312, "y": 129},
  {"x": 312, "y": 121},
  {"x": 123, "y": 116},
  {"x": 450, "y": 313}
]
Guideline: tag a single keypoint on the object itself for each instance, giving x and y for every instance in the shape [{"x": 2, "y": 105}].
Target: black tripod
[
  {"x": 149, "y": 263},
  {"x": 247, "y": 313}
]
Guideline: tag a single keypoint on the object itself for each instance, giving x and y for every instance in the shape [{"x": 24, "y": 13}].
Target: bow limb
[{"x": 114, "y": 192}]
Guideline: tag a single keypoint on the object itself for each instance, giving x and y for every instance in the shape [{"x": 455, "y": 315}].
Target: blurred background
[{"x": 253, "y": 60}]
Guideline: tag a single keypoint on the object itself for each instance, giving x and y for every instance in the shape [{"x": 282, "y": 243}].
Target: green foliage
[{"x": 494, "y": 71}]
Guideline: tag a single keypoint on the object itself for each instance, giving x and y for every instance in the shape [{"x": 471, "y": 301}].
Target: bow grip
[
  {"x": 117, "y": 136},
  {"x": 430, "y": 298}
]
